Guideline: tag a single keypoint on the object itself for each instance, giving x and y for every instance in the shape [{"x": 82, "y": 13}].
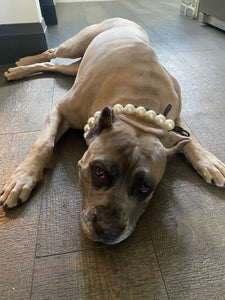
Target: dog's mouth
[{"x": 107, "y": 232}]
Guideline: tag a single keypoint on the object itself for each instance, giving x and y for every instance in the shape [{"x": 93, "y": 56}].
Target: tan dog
[{"x": 127, "y": 151}]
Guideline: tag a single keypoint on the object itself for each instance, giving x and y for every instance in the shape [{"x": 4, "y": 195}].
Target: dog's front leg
[
  {"x": 204, "y": 162},
  {"x": 18, "y": 188}
]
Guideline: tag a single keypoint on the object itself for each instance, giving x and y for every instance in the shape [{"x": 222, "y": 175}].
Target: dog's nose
[
  {"x": 107, "y": 225},
  {"x": 110, "y": 233}
]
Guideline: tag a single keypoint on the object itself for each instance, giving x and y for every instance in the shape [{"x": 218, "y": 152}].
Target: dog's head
[{"x": 119, "y": 173}]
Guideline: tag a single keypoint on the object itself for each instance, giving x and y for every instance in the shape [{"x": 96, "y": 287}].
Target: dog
[{"x": 133, "y": 106}]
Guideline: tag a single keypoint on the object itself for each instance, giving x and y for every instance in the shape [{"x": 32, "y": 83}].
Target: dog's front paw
[
  {"x": 211, "y": 169},
  {"x": 15, "y": 73},
  {"x": 18, "y": 188}
]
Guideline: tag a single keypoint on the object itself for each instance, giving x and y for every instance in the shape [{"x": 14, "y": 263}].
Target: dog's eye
[
  {"x": 100, "y": 173},
  {"x": 144, "y": 189}
]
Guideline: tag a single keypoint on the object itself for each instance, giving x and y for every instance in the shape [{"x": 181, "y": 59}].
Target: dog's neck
[{"x": 129, "y": 112}]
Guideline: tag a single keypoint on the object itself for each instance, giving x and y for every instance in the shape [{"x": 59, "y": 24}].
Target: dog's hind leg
[
  {"x": 76, "y": 46},
  {"x": 71, "y": 48},
  {"x": 204, "y": 162},
  {"x": 43, "y": 57},
  {"x": 23, "y": 71},
  {"x": 18, "y": 188}
]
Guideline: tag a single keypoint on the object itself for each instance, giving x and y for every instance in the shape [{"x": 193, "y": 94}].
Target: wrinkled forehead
[
  {"x": 116, "y": 139},
  {"x": 129, "y": 149}
]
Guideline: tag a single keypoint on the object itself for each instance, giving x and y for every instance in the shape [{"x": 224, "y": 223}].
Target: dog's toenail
[
  {"x": 1, "y": 202},
  {"x": 213, "y": 182},
  {"x": 5, "y": 206},
  {"x": 2, "y": 193},
  {"x": 19, "y": 202}
]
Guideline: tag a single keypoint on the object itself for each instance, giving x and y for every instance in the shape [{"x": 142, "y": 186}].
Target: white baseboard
[{"x": 69, "y": 1}]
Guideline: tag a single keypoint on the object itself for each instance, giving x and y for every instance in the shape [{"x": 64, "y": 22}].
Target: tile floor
[{"x": 178, "y": 248}]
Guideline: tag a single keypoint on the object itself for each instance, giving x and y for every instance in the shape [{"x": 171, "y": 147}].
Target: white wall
[{"x": 20, "y": 11}]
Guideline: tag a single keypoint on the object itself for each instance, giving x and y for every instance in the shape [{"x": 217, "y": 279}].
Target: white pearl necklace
[{"x": 130, "y": 110}]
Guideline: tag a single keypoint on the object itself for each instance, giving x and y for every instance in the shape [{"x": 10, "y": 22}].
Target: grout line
[
  {"x": 38, "y": 223},
  {"x": 157, "y": 259},
  {"x": 18, "y": 132},
  {"x": 39, "y": 217},
  {"x": 53, "y": 92},
  {"x": 194, "y": 51},
  {"x": 69, "y": 252}
]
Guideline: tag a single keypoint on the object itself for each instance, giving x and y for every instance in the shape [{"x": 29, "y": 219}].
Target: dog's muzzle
[{"x": 101, "y": 224}]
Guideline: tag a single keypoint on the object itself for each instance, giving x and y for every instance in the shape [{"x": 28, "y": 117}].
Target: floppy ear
[
  {"x": 105, "y": 120},
  {"x": 174, "y": 142}
]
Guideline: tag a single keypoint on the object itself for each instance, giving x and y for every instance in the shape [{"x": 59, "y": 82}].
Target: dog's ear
[
  {"x": 104, "y": 121},
  {"x": 174, "y": 142},
  {"x": 106, "y": 118}
]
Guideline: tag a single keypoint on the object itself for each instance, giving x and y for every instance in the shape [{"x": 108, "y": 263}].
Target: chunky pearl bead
[
  {"x": 169, "y": 124},
  {"x": 86, "y": 128},
  {"x": 140, "y": 111},
  {"x": 97, "y": 114},
  {"x": 151, "y": 114},
  {"x": 118, "y": 109},
  {"x": 91, "y": 121},
  {"x": 129, "y": 109},
  {"x": 160, "y": 119}
]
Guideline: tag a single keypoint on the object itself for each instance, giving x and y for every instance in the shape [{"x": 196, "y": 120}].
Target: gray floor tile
[
  {"x": 211, "y": 65},
  {"x": 18, "y": 227},
  {"x": 105, "y": 273},
  {"x": 187, "y": 229},
  {"x": 25, "y": 104}
]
